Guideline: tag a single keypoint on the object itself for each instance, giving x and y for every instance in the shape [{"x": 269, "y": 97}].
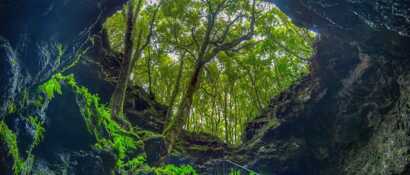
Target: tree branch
[
  {"x": 239, "y": 40},
  {"x": 151, "y": 28}
]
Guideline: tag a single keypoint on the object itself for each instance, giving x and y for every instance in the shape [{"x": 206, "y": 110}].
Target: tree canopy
[{"x": 215, "y": 63}]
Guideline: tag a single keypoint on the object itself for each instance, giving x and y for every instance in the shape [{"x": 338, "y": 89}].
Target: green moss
[
  {"x": 238, "y": 172},
  {"x": 38, "y": 131},
  {"x": 24, "y": 97},
  {"x": 10, "y": 139},
  {"x": 234, "y": 172},
  {"x": 199, "y": 148},
  {"x": 145, "y": 134},
  {"x": 13, "y": 61},
  {"x": 97, "y": 116},
  {"x": 60, "y": 53},
  {"x": 38, "y": 102},
  {"x": 20, "y": 166},
  {"x": 51, "y": 87},
  {"x": 110, "y": 135},
  {"x": 136, "y": 165},
  {"x": 171, "y": 169},
  {"x": 11, "y": 108}
]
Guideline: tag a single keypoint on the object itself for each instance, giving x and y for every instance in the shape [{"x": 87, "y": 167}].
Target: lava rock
[
  {"x": 155, "y": 148},
  {"x": 350, "y": 116}
]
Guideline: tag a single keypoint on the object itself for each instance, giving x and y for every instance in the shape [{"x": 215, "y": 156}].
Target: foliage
[
  {"x": 234, "y": 86},
  {"x": 50, "y": 88},
  {"x": 171, "y": 169},
  {"x": 238, "y": 172},
  {"x": 135, "y": 164},
  {"x": 116, "y": 25},
  {"x": 110, "y": 135},
  {"x": 38, "y": 131},
  {"x": 234, "y": 172},
  {"x": 11, "y": 108},
  {"x": 10, "y": 139},
  {"x": 20, "y": 166},
  {"x": 139, "y": 166},
  {"x": 22, "y": 163}
]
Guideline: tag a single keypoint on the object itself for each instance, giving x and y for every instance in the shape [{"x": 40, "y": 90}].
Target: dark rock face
[
  {"x": 155, "y": 148},
  {"x": 32, "y": 32},
  {"x": 202, "y": 147},
  {"x": 350, "y": 15},
  {"x": 38, "y": 39},
  {"x": 351, "y": 115},
  {"x": 92, "y": 163},
  {"x": 143, "y": 111},
  {"x": 5, "y": 159}
]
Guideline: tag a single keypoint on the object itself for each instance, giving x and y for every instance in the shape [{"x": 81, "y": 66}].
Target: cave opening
[
  {"x": 204, "y": 87},
  {"x": 237, "y": 83}
]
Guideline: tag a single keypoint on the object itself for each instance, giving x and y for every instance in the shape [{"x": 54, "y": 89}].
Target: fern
[{"x": 51, "y": 87}]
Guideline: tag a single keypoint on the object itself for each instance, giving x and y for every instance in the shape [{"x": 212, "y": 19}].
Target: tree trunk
[
  {"x": 118, "y": 97},
  {"x": 226, "y": 116},
  {"x": 149, "y": 73},
  {"x": 257, "y": 96},
  {"x": 213, "y": 118},
  {"x": 176, "y": 87},
  {"x": 174, "y": 128}
]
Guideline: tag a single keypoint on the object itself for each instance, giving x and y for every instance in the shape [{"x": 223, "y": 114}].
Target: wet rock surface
[
  {"x": 37, "y": 40},
  {"x": 41, "y": 38},
  {"x": 5, "y": 159},
  {"x": 350, "y": 15},
  {"x": 350, "y": 116},
  {"x": 91, "y": 162},
  {"x": 155, "y": 148}
]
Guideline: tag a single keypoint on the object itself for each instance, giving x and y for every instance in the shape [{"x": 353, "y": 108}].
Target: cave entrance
[{"x": 237, "y": 83}]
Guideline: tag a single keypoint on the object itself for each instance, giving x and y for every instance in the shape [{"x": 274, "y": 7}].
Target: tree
[
  {"x": 133, "y": 48},
  {"x": 211, "y": 88},
  {"x": 218, "y": 37}
]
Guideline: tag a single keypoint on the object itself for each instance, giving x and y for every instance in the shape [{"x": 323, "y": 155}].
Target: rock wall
[
  {"x": 350, "y": 116},
  {"x": 37, "y": 40}
]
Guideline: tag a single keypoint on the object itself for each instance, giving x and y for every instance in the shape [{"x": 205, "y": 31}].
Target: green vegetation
[
  {"x": 136, "y": 39},
  {"x": 11, "y": 108},
  {"x": 238, "y": 172},
  {"x": 175, "y": 170},
  {"x": 10, "y": 139},
  {"x": 20, "y": 166},
  {"x": 38, "y": 131},
  {"x": 110, "y": 135},
  {"x": 138, "y": 166},
  {"x": 234, "y": 172},
  {"x": 50, "y": 88},
  {"x": 22, "y": 163},
  {"x": 215, "y": 63}
]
